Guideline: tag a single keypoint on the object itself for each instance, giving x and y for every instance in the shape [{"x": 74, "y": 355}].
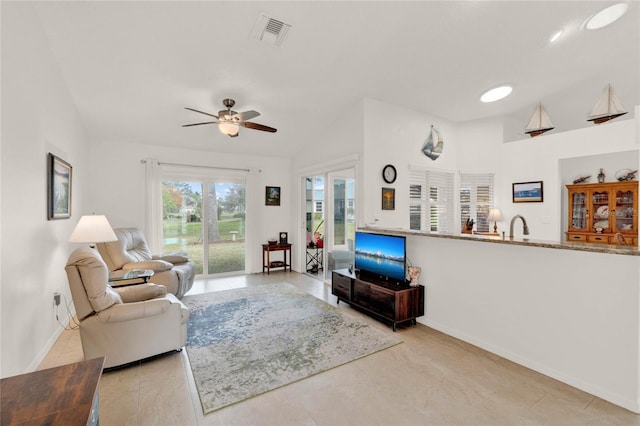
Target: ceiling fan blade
[
  {"x": 199, "y": 124},
  {"x": 202, "y": 112},
  {"x": 246, "y": 115},
  {"x": 257, "y": 126}
]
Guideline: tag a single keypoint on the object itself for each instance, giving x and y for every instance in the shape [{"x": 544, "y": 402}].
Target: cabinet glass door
[
  {"x": 579, "y": 210},
  {"x": 624, "y": 211},
  {"x": 600, "y": 215}
]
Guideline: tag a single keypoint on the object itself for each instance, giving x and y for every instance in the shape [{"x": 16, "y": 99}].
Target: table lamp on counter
[{"x": 494, "y": 216}]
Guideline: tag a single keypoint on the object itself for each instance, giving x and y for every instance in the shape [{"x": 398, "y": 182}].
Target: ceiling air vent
[{"x": 270, "y": 30}]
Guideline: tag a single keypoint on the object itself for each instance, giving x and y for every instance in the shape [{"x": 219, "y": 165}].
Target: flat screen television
[{"x": 381, "y": 256}]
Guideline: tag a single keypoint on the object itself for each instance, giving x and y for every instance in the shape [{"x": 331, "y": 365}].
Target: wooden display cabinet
[{"x": 600, "y": 211}]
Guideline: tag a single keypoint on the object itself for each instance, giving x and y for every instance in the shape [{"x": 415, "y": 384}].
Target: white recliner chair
[
  {"x": 174, "y": 270},
  {"x": 127, "y": 324}
]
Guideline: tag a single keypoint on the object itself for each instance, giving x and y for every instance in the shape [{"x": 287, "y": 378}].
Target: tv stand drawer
[
  {"x": 375, "y": 298},
  {"x": 341, "y": 286}
]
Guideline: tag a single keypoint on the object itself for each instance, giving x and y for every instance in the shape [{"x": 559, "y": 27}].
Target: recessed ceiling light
[
  {"x": 496, "y": 93},
  {"x": 606, "y": 16},
  {"x": 556, "y": 36}
]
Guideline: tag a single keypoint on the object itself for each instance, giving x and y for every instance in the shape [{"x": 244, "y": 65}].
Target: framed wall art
[
  {"x": 59, "y": 175},
  {"x": 272, "y": 196},
  {"x": 388, "y": 199},
  {"x": 527, "y": 192}
]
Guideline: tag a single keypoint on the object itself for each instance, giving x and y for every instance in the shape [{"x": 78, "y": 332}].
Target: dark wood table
[
  {"x": 268, "y": 264},
  {"x": 65, "y": 395}
]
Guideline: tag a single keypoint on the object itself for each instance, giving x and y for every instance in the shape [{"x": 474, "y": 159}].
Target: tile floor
[{"x": 430, "y": 378}]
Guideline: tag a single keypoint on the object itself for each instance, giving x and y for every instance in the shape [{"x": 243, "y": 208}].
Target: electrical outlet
[{"x": 56, "y": 298}]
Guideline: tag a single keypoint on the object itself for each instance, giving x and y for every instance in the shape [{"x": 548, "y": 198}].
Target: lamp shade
[
  {"x": 93, "y": 229},
  {"x": 494, "y": 215}
]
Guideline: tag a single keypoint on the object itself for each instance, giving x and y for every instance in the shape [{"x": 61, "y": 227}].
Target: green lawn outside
[{"x": 224, "y": 256}]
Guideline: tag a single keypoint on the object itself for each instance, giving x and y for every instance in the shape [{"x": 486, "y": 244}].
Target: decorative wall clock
[{"x": 389, "y": 173}]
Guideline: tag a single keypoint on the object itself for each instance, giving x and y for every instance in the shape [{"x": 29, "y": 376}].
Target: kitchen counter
[
  {"x": 568, "y": 310},
  {"x": 562, "y": 245}
]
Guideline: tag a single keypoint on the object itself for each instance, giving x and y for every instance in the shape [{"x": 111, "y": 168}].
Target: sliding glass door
[
  {"x": 340, "y": 247},
  {"x": 329, "y": 200},
  {"x": 314, "y": 210},
  {"x": 205, "y": 218}
]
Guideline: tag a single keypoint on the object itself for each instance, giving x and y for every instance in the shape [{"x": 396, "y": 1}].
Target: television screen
[{"x": 381, "y": 255}]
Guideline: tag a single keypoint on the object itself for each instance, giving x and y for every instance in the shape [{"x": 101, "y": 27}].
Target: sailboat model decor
[
  {"x": 539, "y": 123},
  {"x": 434, "y": 144},
  {"x": 607, "y": 108}
]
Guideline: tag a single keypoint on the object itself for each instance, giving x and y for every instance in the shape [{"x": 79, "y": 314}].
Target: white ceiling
[{"x": 132, "y": 67}]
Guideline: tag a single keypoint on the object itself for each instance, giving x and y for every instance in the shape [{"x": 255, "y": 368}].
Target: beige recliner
[
  {"x": 127, "y": 324},
  {"x": 174, "y": 271}
]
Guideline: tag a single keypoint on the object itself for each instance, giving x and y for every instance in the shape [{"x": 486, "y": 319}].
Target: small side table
[
  {"x": 123, "y": 278},
  {"x": 314, "y": 258},
  {"x": 268, "y": 264}
]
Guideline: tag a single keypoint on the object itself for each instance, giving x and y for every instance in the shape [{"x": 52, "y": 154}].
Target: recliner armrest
[
  {"x": 131, "y": 311},
  {"x": 141, "y": 292},
  {"x": 154, "y": 265},
  {"x": 175, "y": 258}
]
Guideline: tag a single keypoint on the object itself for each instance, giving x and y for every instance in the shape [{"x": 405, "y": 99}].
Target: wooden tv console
[{"x": 382, "y": 300}]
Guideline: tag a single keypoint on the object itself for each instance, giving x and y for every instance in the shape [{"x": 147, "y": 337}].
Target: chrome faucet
[{"x": 525, "y": 227}]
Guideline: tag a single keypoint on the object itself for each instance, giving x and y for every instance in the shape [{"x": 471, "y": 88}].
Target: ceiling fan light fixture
[
  {"x": 606, "y": 16},
  {"x": 496, "y": 93},
  {"x": 228, "y": 128}
]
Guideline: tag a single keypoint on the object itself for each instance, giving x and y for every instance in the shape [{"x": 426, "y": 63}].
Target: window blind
[
  {"x": 476, "y": 198},
  {"x": 430, "y": 200}
]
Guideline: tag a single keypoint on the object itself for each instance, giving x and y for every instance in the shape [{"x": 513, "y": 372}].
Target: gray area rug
[{"x": 248, "y": 341}]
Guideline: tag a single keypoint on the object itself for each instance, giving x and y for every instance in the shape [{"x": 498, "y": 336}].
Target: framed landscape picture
[
  {"x": 58, "y": 188},
  {"x": 388, "y": 199},
  {"x": 528, "y": 192},
  {"x": 272, "y": 196}
]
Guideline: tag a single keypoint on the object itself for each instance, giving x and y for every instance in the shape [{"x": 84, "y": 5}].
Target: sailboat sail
[
  {"x": 539, "y": 123},
  {"x": 607, "y": 107},
  {"x": 434, "y": 144}
]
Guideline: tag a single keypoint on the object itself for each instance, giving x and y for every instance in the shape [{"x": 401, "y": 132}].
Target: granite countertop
[{"x": 562, "y": 245}]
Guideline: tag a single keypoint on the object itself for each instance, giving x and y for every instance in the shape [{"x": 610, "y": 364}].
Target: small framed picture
[
  {"x": 272, "y": 196},
  {"x": 388, "y": 199},
  {"x": 528, "y": 192},
  {"x": 59, "y": 175},
  {"x": 284, "y": 238}
]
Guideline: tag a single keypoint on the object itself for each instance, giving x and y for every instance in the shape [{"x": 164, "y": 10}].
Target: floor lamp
[{"x": 93, "y": 229}]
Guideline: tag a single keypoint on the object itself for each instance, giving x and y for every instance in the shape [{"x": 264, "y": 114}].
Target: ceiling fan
[{"x": 229, "y": 122}]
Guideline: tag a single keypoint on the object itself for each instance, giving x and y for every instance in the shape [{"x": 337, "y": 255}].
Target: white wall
[
  {"x": 538, "y": 159},
  {"x": 119, "y": 181},
  {"x": 396, "y": 135},
  {"x": 571, "y": 315},
  {"x": 38, "y": 116},
  {"x": 339, "y": 147}
]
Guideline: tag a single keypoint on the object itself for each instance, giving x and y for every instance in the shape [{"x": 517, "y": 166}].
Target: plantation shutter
[
  {"x": 430, "y": 200},
  {"x": 476, "y": 199}
]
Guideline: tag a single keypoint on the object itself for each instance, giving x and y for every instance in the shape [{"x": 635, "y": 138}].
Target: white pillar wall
[{"x": 572, "y": 315}]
